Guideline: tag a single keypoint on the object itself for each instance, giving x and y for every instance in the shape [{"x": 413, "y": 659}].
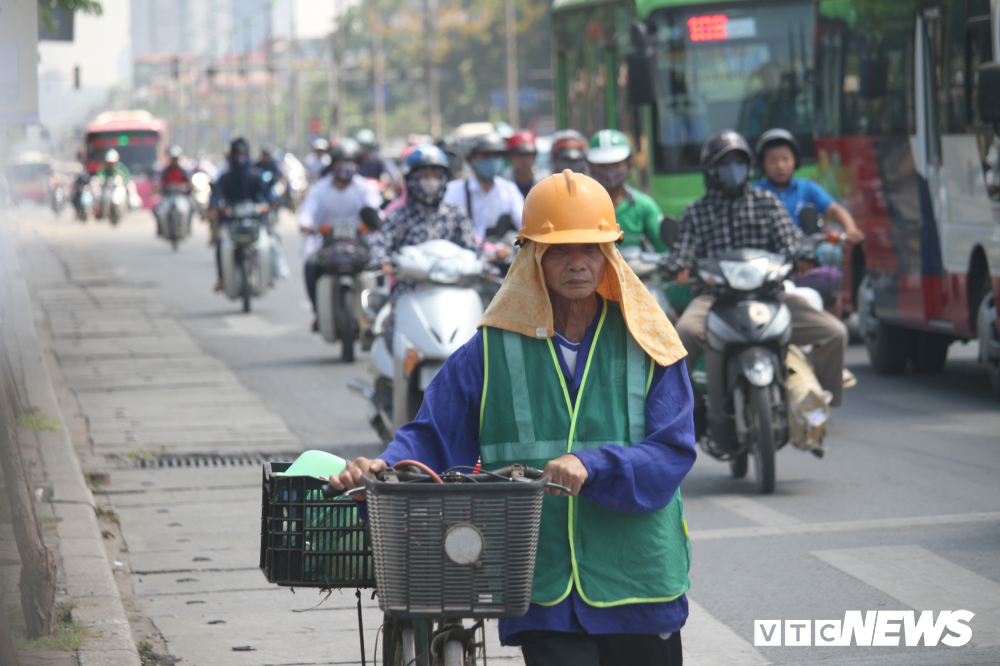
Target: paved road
[{"x": 903, "y": 513}]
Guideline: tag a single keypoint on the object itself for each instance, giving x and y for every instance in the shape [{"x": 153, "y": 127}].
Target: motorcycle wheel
[
  {"x": 346, "y": 332},
  {"x": 889, "y": 346},
  {"x": 173, "y": 231},
  {"x": 762, "y": 435},
  {"x": 989, "y": 338},
  {"x": 246, "y": 288},
  {"x": 738, "y": 465},
  {"x": 113, "y": 216}
]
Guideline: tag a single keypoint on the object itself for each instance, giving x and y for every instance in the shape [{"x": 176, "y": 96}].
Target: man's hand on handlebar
[
  {"x": 351, "y": 476},
  {"x": 567, "y": 470}
]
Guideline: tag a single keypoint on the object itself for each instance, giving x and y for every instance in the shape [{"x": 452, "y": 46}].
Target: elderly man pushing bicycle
[{"x": 575, "y": 370}]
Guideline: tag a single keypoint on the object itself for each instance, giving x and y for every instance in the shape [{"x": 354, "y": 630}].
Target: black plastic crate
[{"x": 307, "y": 540}]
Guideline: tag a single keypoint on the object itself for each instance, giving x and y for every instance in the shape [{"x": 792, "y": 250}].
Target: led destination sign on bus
[{"x": 718, "y": 27}]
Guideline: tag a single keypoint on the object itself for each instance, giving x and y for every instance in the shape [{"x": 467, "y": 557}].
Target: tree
[{"x": 46, "y": 7}]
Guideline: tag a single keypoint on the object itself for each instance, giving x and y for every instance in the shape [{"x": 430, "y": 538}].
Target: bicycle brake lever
[{"x": 556, "y": 486}]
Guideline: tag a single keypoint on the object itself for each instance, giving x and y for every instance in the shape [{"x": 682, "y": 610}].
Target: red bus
[
  {"x": 140, "y": 140},
  {"x": 900, "y": 141}
]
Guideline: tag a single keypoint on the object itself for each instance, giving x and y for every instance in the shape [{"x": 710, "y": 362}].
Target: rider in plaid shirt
[
  {"x": 732, "y": 215},
  {"x": 722, "y": 221}
]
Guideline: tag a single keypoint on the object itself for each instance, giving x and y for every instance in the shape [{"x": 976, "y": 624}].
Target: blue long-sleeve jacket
[{"x": 637, "y": 479}]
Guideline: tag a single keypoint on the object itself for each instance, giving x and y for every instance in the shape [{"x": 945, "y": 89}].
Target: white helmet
[
  {"x": 175, "y": 151},
  {"x": 111, "y": 156},
  {"x": 320, "y": 144}
]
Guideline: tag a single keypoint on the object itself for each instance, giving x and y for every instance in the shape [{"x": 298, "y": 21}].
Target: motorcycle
[
  {"x": 645, "y": 264},
  {"x": 345, "y": 293},
  {"x": 432, "y": 322},
  {"x": 57, "y": 198},
  {"x": 83, "y": 199},
  {"x": 245, "y": 251},
  {"x": 201, "y": 193},
  {"x": 114, "y": 199},
  {"x": 173, "y": 215},
  {"x": 744, "y": 403}
]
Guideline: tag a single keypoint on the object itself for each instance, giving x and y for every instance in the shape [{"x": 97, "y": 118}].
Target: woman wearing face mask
[
  {"x": 426, "y": 216},
  {"x": 486, "y": 197},
  {"x": 610, "y": 159},
  {"x": 340, "y": 194}
]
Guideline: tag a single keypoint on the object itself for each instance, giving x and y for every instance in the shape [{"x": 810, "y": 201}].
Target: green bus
[{"x": 741, "y": 65}]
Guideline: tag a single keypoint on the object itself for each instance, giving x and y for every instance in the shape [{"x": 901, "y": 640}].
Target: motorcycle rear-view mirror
[
  {"x": 809, "y": 219},
  {"x": 504, "y": 225},
  {"x": 669, "y": 230},
  {"x": 371, "y": 218}
]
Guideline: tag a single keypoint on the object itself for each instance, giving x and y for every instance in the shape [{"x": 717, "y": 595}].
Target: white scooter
[
  {"x": 173, "y": 216},
  {"x": 245, "y": 250},
  {"x": 432, "y": 322}
]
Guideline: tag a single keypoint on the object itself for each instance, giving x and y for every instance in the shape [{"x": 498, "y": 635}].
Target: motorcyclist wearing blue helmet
[{"x": 424, "y": 217}]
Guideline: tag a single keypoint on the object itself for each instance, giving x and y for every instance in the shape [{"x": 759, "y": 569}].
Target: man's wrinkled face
[
  {"x": 779, "y": 164},
  {"x": 574, "y": 270}
]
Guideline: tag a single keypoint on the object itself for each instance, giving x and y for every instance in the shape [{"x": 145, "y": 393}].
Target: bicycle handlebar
[{"x": 513, "y": 473}]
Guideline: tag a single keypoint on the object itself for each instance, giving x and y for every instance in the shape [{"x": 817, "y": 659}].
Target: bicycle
[{"x": 449, "y": 548}]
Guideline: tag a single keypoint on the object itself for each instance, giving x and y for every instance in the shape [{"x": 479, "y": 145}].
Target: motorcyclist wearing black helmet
[
  {"x": 341, "y": 194},
  {"x": 241, "y": 182},
  {"x": 734, "y": 215}
]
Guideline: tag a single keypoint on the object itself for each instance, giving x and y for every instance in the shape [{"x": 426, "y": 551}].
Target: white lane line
[
  {"x": 844, "y": 526},
  {"x": 924, "y": 581},
  {"x": 709, "y": 642},
  {"x": 752, "y": 509}
]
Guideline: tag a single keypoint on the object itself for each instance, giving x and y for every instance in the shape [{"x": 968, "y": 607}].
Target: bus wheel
[{"x": 888, "y": 345}]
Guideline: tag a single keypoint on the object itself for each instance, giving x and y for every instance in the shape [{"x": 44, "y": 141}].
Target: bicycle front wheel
[{"x": 407, "y": 642}]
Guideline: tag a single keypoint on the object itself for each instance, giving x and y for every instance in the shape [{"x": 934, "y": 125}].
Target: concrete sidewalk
[{"x": 159, "y": 409}]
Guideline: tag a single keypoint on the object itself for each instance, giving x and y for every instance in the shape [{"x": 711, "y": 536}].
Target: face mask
[
  {"x": 611, "y": 179},
  {"x": 488, "y": 168},
  {"x": 430, "y": 186},
  {"x": 345, "y": 171},
  {"x": 733, "y": 175},
  {"x": 242, "y": 160}
]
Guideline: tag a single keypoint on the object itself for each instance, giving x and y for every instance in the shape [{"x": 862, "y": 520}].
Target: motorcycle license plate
[{"x": 345, "y": 230}]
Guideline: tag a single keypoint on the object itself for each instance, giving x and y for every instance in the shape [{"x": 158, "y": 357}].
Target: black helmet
[
  {"x": 488, "y": 143},
  {"x": 777, "y": 137},
  {"x": 346, "y": 149},
  {"x": 239, "y": 145},
  {"x": 721, "y": 144}
]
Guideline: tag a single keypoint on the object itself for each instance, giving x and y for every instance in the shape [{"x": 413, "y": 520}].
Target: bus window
[
  {"x": 866, "y": 78},
  {"x": 746, "y": 66},
  {"x": 137, "y": 150},
  {"x": 978, "y": 50}
]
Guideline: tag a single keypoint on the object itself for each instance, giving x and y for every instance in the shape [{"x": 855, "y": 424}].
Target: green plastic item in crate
[
  {"x": 316, "y": 464},
  {"x": 308, "y": 540}
]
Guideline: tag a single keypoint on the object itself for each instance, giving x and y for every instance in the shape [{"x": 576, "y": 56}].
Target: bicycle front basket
[{"x": 454, "y": 550}]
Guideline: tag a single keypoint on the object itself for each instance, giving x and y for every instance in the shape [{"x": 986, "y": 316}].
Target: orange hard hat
[{"x": 569, "y": 207}]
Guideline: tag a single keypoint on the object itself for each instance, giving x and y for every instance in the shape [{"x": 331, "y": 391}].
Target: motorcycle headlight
[
  {"x": 445, "y": 271},
  {"x": 745, "y": 275}
]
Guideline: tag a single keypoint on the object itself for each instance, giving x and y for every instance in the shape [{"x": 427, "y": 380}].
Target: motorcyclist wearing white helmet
[{"x": 317, "y": 161}]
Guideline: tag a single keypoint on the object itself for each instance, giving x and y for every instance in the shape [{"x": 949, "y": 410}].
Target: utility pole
[
  {"x": 430, "y": 69},
  {"x": 268, "y": 88},
  {"x": 338, "y": 124},
  {"x": 294, "y": 122},
  {"x": 513, "y": 115},
  {"x": 378, "y": 71}
]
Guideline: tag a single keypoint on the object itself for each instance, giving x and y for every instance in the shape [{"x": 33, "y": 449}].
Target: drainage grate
[{"x": 195, "y": 460}]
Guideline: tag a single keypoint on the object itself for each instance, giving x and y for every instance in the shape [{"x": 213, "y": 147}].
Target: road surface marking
[
  {"x": 844, "y": 526},
  {"x": 709, "y": 642},
  {"x": 251, "y": 325},
  {"x": 924, "y": 581},
  {"x": 754, "y": 510}
]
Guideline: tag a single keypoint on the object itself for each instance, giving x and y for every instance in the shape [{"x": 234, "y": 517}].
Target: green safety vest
[{"x": 527, "y": 416}]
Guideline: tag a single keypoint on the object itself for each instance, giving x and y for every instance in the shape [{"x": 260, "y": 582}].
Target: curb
[{"x": 89, "y": 578}]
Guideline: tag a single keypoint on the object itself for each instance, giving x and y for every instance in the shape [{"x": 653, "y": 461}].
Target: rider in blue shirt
[{"x": 778, "y": 155}]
